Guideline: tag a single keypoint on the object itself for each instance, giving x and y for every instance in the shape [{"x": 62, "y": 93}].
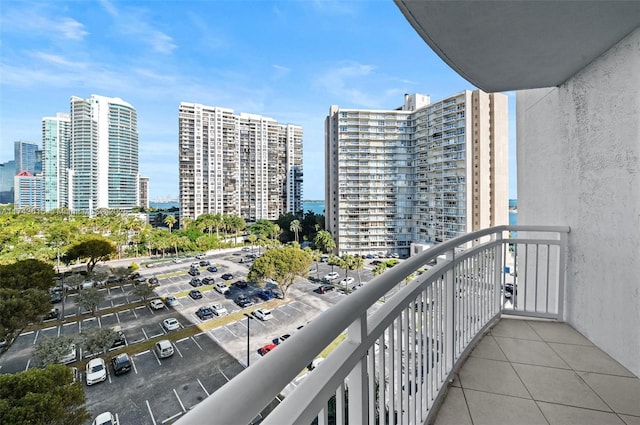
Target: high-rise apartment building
[
  {"x": 143, "y": 190},
  {"x": 56, "y": 142},
  {"x": 7, "y": 173},
  {"x": 246, "y": 165},
  {"x": 103, "y": 154},
  {"x": 422, "y": 173},
  {"x": 28, "y": 191}
]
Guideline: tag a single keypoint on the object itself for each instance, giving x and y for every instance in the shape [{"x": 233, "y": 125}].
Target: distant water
[{"x": 317, "y": 207}]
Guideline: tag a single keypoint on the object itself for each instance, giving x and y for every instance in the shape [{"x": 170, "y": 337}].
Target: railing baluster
[{"x": 357, "y": 401}]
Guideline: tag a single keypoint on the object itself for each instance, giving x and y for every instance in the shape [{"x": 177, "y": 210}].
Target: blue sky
[{"x": 288, "y": 60}]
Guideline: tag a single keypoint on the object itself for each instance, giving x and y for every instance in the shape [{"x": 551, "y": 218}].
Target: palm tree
[
  {"x": 358, "y": 265},
  {"x": 295, "y": 227},
  {"x": 324, "y": 241},
  {"x": 170, "y": 220},
  {"x": 346, "y": 263}
]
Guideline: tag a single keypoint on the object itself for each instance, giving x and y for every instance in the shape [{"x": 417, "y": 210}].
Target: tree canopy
[
  {"x": 92, "y": 247},
  {"x": 281, "y": 265},
  {"x": 27, "y": 274},
  {"x": 42, "y": 396}
]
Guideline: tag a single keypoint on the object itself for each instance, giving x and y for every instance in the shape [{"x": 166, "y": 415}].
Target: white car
[
  {"x": 263, "y": 314},
  {"x": 219, "y": 310},
  {"x": 96, "y": 371},
  {"x": 156, "y": 304},
  {"x": 331, "y": 276},
  {"x": 171, "y": 301},
  {"x": 70, "y": 356},
  {"x": 347, "y": 281},
  {"x": 105, "y": 418},
  {"x": 171, "y": 324},
  {"x": 221, "y": 287}
]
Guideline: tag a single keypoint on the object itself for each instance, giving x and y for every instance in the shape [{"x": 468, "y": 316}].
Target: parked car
[
  {"x": 221, "y": 288},
  {"x": 243, "y": 301},
  {"x": 95, "y": 371},
  {"x": 171, "y": 301},
  {"x": 200, "y": 256},
  {"x": 156, "y": 304},
  {"x": 56, "y": 297},
  {"x": 53, "y": 314},
  {"x": 195, "y": 282},
  {"x": 204, "y": 263},
  {"x": 208, "y": 280},
  {"x": 246, "y": 249},
  {"x": 113, "y": 279},
  {"x": 263, "y": 314},
  {"x": 121, "y": 364},
  {"x": 219, "y": 310},
  {"x": 323, "y": 289},
  {"x": 242, "y": 284},
  {"x": 105, "y": 418},
  {"x": 212, "y": 269},
  {"x": 227, "y": 276},
  {"x": 204, "y": 313},
  {"x": 171, "y": 324},
  {"x": 266, "y": 294},
  {"x": 71, "y": 355},
  {"x": 177, "y": 260},
  {"x": 266, "y": 348},
  {"x": 120, "y": 338},
  {"x": 331, "y": 276},
  {"x": 194, "y": 272},
  {"x": 163, "y": 348},
  {"x": 281, "y": 339},
  {"x": 153, "y": 280},
  {"x": 347, "y": 281},
  {"x": 195, "y": 294}
]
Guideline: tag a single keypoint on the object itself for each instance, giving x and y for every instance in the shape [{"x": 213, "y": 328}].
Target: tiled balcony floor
[{"x": 538, "y": 372}]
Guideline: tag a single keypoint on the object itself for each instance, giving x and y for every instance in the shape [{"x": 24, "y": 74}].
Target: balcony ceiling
[{"x": 511, "y": 45}]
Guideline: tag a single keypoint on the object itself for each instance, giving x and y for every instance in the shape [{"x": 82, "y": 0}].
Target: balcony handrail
[{"x": 243, "y": 398}]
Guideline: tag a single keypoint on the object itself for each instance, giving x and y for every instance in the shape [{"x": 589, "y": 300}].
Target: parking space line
[
  {"x": 150, "y": 412},
  {"x": 134, "y": 365},
  {"x": 179, "y": 401},
  {"x": 145, "y": 334},
  {"x": 194, "y": 340},
  {"x": 134, "y": 312},
  {"x": 35, "y": 338},
  {"x": 169, "y": 419},
  {"x": 178, "y": 350},
  {"x": 28, "y": 333},
  {"x": 28, "y": 363},
  {"x": 222, "y": 373},
  {"x": 203, "y": 388},
  {"x": 182, "y": 339}
]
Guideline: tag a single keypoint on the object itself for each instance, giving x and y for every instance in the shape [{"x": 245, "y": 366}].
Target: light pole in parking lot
[{"x": 249, "y": 319}]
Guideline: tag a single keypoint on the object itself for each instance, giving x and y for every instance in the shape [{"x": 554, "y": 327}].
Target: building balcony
[{"x": 476, "y": 337}]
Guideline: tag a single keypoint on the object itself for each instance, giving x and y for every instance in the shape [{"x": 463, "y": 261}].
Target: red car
[{"x": 266, "y": 348}]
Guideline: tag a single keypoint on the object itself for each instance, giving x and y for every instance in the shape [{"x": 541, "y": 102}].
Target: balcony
[{"x": 480, "y": 325}]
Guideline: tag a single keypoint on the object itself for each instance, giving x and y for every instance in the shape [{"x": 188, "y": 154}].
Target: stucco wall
[{"x": 579, "y": 165}]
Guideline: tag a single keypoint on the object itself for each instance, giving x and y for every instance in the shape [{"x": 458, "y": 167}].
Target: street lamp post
[{"x": 249, "y": 319}]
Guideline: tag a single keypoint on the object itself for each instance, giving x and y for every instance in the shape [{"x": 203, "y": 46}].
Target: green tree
[
  {"x": 358, "y": 265},
  {"x": 347, "y": 263},
  {"x": 42, "y": 396},
  {"x": 334, "y": 260},
  {"x": 315, "y": 257},
  {"x": 295, "y": 227},
  {"x": 18, "y": 308},
  {"x": 144, "y": 291},
  {"x": 262, "y": 227},
  {"x": 97, "y": 340},
  {"x": 170, "y": 221},
  {"x": 27, "y": 274},
  {"x": 324, "y": 241},
  {"x": 90, "y": 299},
  {"x": 281, "y": 265},
  {"x": 52, "y": 350},
  {"x": 379, "y": 268},
  {"x": 92, "y": 247}
]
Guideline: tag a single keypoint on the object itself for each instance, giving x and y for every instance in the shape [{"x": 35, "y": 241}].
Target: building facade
[
  {"x": 143, "y": 190},
  {"x": 421, "y": 173},
  {"x": 7, "y": 173},
  {"x": 245, "y": 165},
  {"x": 29, "y": 191},
  {"x": 103, "y": 154},
  {"x": 56, "y": 142},
  {"x": 28, "y": 157}
]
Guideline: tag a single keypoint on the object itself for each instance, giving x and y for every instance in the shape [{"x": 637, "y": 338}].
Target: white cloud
[{"x": 40, "y": 19}]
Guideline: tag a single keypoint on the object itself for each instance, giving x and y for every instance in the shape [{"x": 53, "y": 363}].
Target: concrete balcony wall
[{"x": 579, "y": 165}]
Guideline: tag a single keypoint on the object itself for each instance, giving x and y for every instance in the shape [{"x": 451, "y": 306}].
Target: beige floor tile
[
  {"x": 454, "y": 409},
  {"x": 630, "y": 420},
  {"x": 495, "y": 409},
  {"x": 589, "y": 359},
  {"x": 514, "y": 328},
  {"x": 619, "y": 392},
  {"x": 558, "y": 332},
  {"x": 487, "y": 348},
  {"x": 530, "y": 352},
  {"x": 491, "y": 376},
  {"x": 558, "y": 386},
  {"x": 558, "y": 414}
]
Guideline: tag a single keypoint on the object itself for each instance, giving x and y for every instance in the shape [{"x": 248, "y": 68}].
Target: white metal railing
[{"x": 408, "y": 331}]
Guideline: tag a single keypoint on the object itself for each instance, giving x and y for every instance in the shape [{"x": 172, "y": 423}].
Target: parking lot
[{"x": 160, "y": 390}]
